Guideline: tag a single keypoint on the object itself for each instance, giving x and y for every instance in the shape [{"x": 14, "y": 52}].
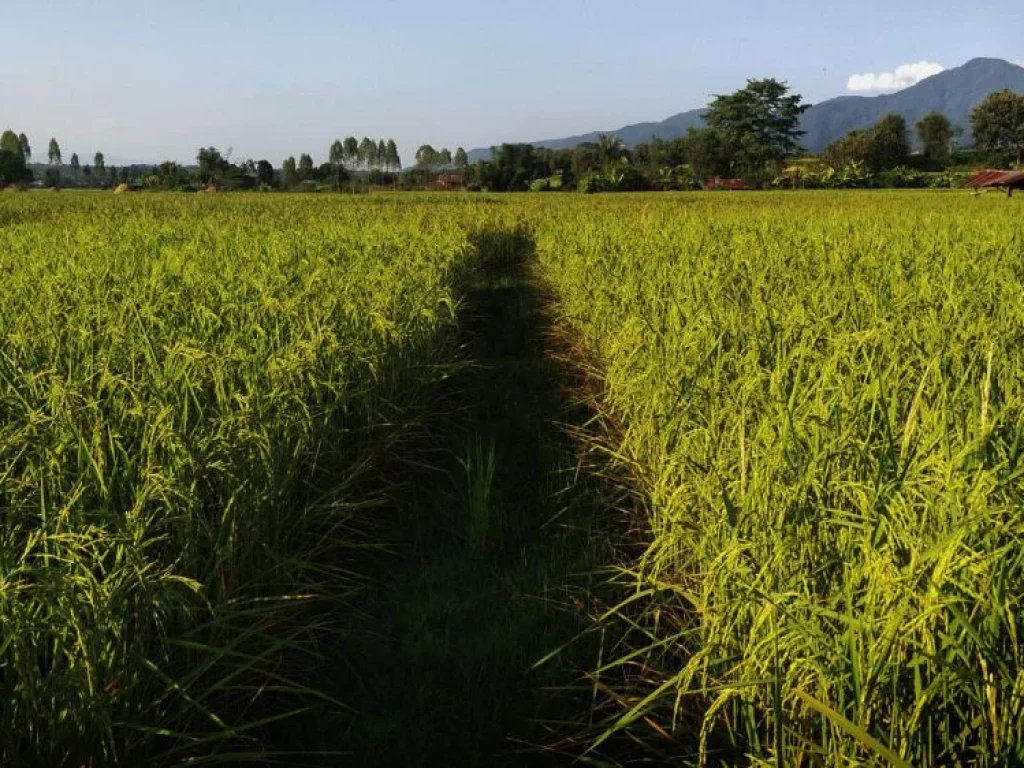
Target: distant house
[
  {"x": 1005, "y": 180},
  {"x": 451, "y": 179},
  {"x": 731, "y": 185}
]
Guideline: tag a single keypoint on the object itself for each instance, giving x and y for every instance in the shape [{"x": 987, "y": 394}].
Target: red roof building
[{"x": 989, "y": 179}]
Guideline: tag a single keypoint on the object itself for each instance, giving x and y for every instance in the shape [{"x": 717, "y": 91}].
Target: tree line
[{"x": 751, "y": 134}]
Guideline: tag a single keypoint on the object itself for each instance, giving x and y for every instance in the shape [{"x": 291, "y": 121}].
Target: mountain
[
  {"x": 669, "y": 128},
  {"x": 954, "y": 93}
]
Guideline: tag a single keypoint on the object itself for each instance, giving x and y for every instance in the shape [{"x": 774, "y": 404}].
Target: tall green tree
[
  {"x": 889, "y": 143},
  {"x": 12, "y": 168},
  {"x": 511, "y": 168},
  {"x": 382, "y": 154},
  {"x": 99, "y": 162},
  {"x": 428, "y": 160},
  {"x": 9, "y": 143},
  {"x": 706, "y": 153},
  {"x": 998, "y": 123},
  {"x": 53, "y": 153},
  {"x": 936, "y": 135},
  {"x": 883, "y": 146},
  {"x": 760, "y": 124},
  {"x": 338, "y": 156},
  {"x": 393, "y": 159},
  {"x": 461, "y": 158},
  {"x": 585, "y": 159},
  {"x": 611, "y": 149},
  {"x": 26, "y": 148},
  {"x": 854, "y": 147},
  {"x": 426, "y": 157},
  {"x": 170, "y": 175},
  {"x": 212, "y": 166},
  {"x": 265, "y": 173},
  {"x": 75, "y": 165},
  {"x": 351, "y": 152},
  {"x": 305, "y": 167},
  {"x": 367, "y": 153},
  {"x": 289, "y": 173}
]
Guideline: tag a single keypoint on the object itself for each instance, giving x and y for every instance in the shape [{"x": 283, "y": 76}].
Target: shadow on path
[{"x": 493, "y": 538}]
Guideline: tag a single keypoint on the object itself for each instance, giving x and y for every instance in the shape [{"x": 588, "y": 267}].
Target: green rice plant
[
  {"x": 819, "y": 397},
  {"x": 192, "y": 391},
  {"x": 822, "y": 398},
  {"x": 483, "y": 522}
]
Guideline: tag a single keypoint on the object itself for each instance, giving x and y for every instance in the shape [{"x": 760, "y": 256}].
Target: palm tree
[
  {"x": 610, "y": 148},
  {"x": 336, "y": 157},
  {"x": 666, "y": 177}
]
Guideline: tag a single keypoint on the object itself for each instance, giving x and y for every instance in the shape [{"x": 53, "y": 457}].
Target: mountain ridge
[{"x": 954, "y": 92}]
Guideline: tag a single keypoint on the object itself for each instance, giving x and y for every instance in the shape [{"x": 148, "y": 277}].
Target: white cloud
[{"x": 903, "y": 76}]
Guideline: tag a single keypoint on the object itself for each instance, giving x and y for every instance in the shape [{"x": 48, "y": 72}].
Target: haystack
[
  {"x": 210, "y": 190},
  {"x": 120, "y": 189}
]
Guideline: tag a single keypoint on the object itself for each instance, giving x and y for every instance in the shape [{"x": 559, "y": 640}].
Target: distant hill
[
  {"x": 669, "y": 128},
  {"x": 954, "y": 93}
]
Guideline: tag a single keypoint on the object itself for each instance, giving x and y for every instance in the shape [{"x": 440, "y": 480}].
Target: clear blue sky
[{"x": 147, "y": 81}]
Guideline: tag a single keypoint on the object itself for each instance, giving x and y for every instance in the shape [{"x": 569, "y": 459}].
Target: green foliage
[
  {"x": 759, "y": 124},
  {"x": 936, "y": 135},
  {"x": 339, "y": 156},
  {"x": 305, "y": 169},
  {"x": 706, "y": 152},
  {"x": 53, "y": 152},
  {"x": 9, "y": 143},
  {"x": 822, "y": 400},
  {"x": 610, "y": 150},
  {"x": 265, "y": 174},
  {"x": 427, "y": 158},
  {"x": 889, "y": 144},
  {"x": 289, "y": 173},
  {"x": 349, "y": 153},
  {"x": 591, "y": 183},
  {"x": 998, "y": 124},
  {"x": 854, "y": 147},
  {"x": 512, "y": 168},
  {"x": 212, "y": 166},
  {"x": 367, "y": 153},
  {"x": 169, "y": 175},
  {"x": 819, "y": 398},
  {"x": 191, "y": 390},
  {"x": 394, "y": 161},
  {"x": 13, "y": 169},
  {"x": 884, "y": 146}
]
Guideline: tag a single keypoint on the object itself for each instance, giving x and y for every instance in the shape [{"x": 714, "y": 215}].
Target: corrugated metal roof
[{"x": 991, "y": 178}]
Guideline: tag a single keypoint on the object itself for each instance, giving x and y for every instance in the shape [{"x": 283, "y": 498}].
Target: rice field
[
  {"x": 191, "y": 391},
  {"x": 822, "y": 400},
  {"x": 816, "y": 401}
]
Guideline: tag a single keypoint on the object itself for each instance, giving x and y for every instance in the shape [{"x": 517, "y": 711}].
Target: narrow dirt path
[{"x": 494, "y": 535}]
